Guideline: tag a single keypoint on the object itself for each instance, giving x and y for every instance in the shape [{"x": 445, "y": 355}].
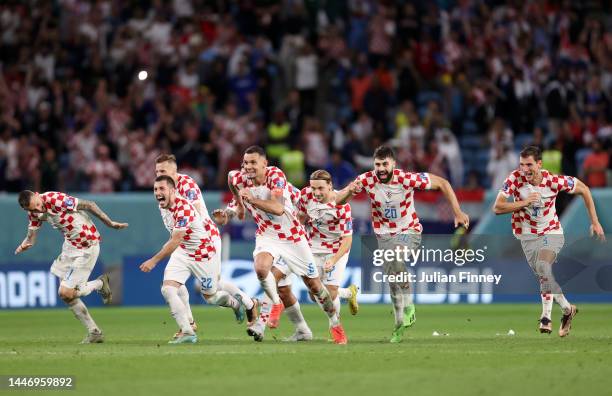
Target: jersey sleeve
[
  {"x": 192, "y": 191},
  {"x": 415, "y": 181},
  {"x": 302, "y": 202},
  {"x": 345, "y": 220},
  {"x": 563, "y": 183},
  {"x": 277, "y": 182},
  {"x": 365, "y": 180},
  {"x": 34, "y": 221},
  {"x": 61, "y": 202},
  {"x": 185, "y": 215},
  {"x": 509, "y": 188}
]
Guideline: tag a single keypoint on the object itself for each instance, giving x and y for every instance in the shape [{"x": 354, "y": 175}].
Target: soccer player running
[
  {"x": 265, "y": 193},
  {"x": 79, "y": 252},
  {"x": 192, "y": 251},
  {"x": 535, "y": 224},
  {"x": 186, "y": 187},
  {"x": 282, "y": 276},
  {"x": 330, "y": 230},
  {"x": 395, "y": 221}
]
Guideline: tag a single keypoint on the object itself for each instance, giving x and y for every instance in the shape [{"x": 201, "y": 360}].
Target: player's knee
[
  {"x": 168, "y": 291},
  {"x": 212, "y": 298},
  {"x": 66, "y": 294},
  {"x": 333, "y": 291}
]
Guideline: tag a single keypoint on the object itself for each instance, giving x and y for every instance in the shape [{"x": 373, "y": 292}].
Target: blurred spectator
[
  {"x": 217, "y": 74},
  {"x": 596, "y": 165},
  {"x": 103, "y": 171},
  {"x": 315, "y": 146},
  {"x": 500, "y": 165},
  {"x": 341, "y": 170}
]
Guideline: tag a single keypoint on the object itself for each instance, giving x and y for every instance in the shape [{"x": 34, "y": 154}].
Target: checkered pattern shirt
[
  {"x": 326, "y": 223},
  {"x": 189, "y": 189},
  {"x": 285, "y": 227},
  {"x": 539, "y": 218},
  {"x": 199, "y": 236},
  {"x": 76, "y": 225},
  {"x": 392, "y": 203}
]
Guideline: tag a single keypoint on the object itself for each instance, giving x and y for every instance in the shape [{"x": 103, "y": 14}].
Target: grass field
[{"x": 472, "y": 360}]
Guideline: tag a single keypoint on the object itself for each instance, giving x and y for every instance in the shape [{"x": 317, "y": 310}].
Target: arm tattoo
[
  {"x": 31, "y": 236},
  {"x": 93, "y": 208}
]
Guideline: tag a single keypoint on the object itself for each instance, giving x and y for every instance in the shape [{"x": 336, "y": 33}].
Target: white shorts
[
  {"x": 533, "y": 246},
  {"x": 283, "y": 268},
  {"x": 296, "y": 256},
  {"x": 207, "y": 272},
  {"x": 335, "y": 276},
  {"x": 73, "y": 266}
]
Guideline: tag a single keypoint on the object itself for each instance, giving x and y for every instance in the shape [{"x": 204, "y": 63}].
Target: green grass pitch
[{"x": 472, "y": 359}]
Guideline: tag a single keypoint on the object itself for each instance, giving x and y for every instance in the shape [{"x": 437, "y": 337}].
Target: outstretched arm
[
  {"x": 166, "y": 250},
  {"x": 28, "y": 242},
  {"x": 440, "y": 183},
  {"x": 93, "y": 208},
  {"x": 596, "y": 228},
  {"x": 348, "y": 192}
]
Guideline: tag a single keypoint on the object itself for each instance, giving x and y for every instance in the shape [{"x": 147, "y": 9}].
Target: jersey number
[
  {"x": 391, "y": 213},
  {"x": 206, "y": 283}
]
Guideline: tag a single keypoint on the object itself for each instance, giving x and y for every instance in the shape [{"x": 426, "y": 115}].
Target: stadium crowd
[{"x": 92, "y": 91}]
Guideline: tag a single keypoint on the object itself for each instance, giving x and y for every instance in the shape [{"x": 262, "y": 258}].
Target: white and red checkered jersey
[
  {"x": 285, "y": 227},
  {"x": 189, "y": 189},
  {"x": 327, "y": 223},
  {"x": 539, "y": 218},
  {"x": 62, "y": 214},
  {"x": 198, "y": 240},
  {"x": 392, "y": 203}
]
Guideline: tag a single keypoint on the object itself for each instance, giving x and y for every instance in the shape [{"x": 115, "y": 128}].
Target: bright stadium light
[{"x": 142, "y": 75}]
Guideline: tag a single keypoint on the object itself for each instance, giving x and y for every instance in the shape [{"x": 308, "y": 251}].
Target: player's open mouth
[
  {"x": 161, "y": 200},
  {"x": 382, "y": 175}
]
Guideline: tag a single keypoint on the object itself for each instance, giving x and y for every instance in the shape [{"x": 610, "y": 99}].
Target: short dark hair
[
  {"x": 167, "y": 179},
  {"x": 532, "y": 151},
  {"x": 165, "y": 158},
  {"x": 24, "y": 198},
  {"x": 383, "y": 152},
  {"x": 255, "y": 150}
]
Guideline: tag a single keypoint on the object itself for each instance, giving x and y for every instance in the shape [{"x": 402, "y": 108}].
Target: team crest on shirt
[
  {"x": 69, "y": 202},
  {"x": 423, "y": 175},
  {"x": 182, "y": 222},
  {"x": 506, "y": 187},
  {"x": 570, "y": 182},
  {"x": 280, "y": 183},
  {"x": 191, "y": 195}
]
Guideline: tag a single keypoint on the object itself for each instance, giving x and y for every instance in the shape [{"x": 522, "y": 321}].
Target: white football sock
[
  {"x": 295, "y": 316},
  {"x": 81, "y": 312},
  {"x": 177, "y": 308},
  {"x": 269, "y": 286},
  {"x": 183, "y": 294},
  {"x": 233, "y": 290},
  {"x": 344, "y": 292},
  {"x": 563, "y": 303},
  {"x": 398, "y": 304},
  {"x": 223, "y": 299},
  {"x": 547, "y": 304},
  {"x": 89, "y": 287},
  {"x": 264, "y": 313},
  {"x": 326, "y": 303}
]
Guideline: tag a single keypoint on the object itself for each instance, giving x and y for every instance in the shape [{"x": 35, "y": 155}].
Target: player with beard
[
  {"x": 193, "y": 251},
  {"x": 263, "y": 190},
  {"x": 395, "y": 222},
  {"x": 282, "y": 275},
  {"x": 535, "y": 223},
  {"x": 165, "y": 164}
]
